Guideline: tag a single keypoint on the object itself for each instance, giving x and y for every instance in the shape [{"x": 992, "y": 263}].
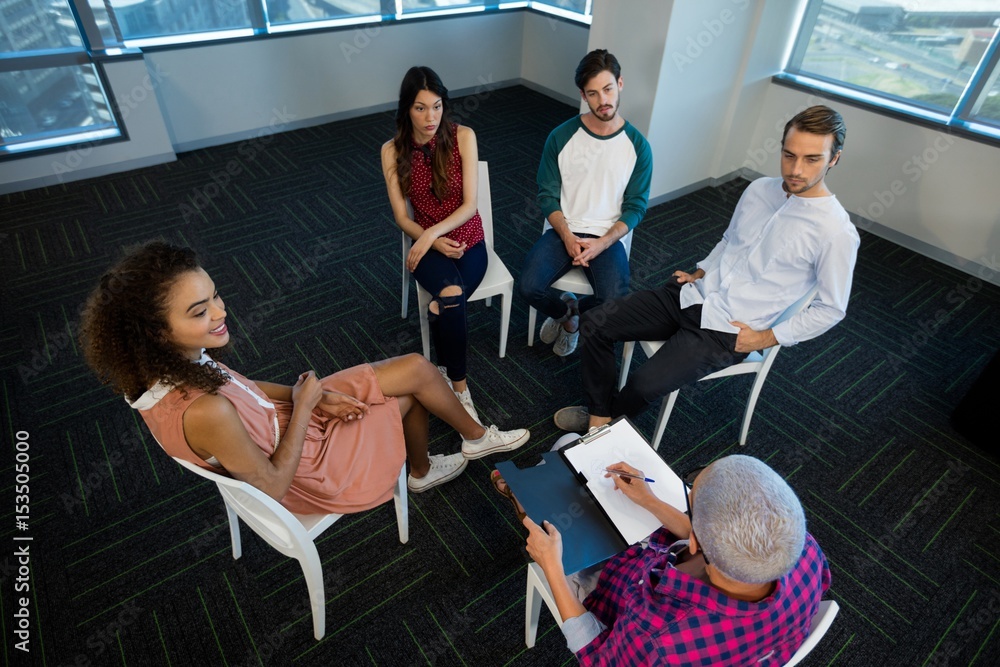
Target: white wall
[
  {"x": 551, "y": 51},
  {"x": 634, "y": 32},
  {"x": 148, "y": 143},
  {"x": 227, "y": 92}
]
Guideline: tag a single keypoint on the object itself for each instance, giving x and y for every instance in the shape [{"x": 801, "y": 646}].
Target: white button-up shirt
[{"x": 776, "y": 250}]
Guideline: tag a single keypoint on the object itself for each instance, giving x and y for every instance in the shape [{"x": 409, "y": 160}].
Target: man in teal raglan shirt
[{"x": 593, "y": 188}]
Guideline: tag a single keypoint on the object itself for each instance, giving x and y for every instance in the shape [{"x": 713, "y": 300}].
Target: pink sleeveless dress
[{"x": 346, "y": 467}]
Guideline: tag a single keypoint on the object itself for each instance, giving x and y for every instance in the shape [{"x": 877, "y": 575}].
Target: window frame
[
  {"x": 960, "y": 121},
  {"x": 97, "y": 49},
  {"x": 70, "y": 56}
]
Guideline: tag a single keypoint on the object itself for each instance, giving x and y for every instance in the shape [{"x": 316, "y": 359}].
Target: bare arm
[
  {"x": 212, "y": 427},
  {"x": 545, "y": 548}
]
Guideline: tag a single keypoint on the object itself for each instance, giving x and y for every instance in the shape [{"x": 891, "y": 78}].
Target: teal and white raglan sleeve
[
  {"x": 636, "y": 197},
  {"x": 549, "y": 178}
]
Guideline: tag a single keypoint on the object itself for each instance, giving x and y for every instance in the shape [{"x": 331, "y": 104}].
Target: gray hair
[{"x": 747, "y": 520}]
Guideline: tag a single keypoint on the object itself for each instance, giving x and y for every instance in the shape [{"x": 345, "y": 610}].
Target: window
[
  {"x": 51, "y": 94},
  {"x": 140, "y": 19},
  {"x": 928, "y": 58},
  {"x": 280, "y": 12},
  {"x": 435, "y": 7}
]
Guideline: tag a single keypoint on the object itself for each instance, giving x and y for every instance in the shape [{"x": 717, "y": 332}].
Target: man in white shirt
[{"x": 787, "y": 236}]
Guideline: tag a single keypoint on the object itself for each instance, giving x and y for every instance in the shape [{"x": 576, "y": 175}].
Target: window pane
[
  {"x": 43, "y": 103},
  {"x": 156, "y": 18},
  {"x": 30, "y": 25},
  {"x": 989, "y": 110},
  {"x": 425, "y": 5},
  {"x": 296, "y": 11},
  {"x": 923, "y": 52},
  {"x": 578, "y": 6}
]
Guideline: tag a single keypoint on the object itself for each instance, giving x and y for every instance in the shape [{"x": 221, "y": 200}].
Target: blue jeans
[
  {"x": 448, "y": 328},
  {"x": 547, "y": 261}
]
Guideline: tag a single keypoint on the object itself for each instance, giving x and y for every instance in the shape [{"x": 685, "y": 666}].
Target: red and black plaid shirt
[{"x": 656, "y": 615}]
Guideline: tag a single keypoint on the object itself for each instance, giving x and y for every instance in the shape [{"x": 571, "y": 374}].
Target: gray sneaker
[
  {"x": 565, "y": 344},
  {"x": 575, "y": 418},
  {"x": 551, "y": 327},
  {"x": 444, "y": 468}
]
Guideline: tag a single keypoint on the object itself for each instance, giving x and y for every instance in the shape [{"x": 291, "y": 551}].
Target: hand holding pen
[
  {"x": 630, "y": 481},
  {"x": 628, "y": 475}
]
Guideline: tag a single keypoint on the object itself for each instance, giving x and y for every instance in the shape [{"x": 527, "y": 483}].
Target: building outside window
[
  {"x": 924, "y": 53},
  {"x": 39, "y": 102}
]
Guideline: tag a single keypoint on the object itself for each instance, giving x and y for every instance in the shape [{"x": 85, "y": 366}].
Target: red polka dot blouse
[{"x": 428, "y": 210}]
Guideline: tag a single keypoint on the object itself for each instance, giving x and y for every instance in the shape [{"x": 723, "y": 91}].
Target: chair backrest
[
  {"x": 820, "y": 624},
  {"x": 789, "y": 312},
  {"x": 798, "y": 306},
  {"x": 625, "y": 240},
  {"x": 265, "y": 515},
  {"x": 484, "y": 202}
]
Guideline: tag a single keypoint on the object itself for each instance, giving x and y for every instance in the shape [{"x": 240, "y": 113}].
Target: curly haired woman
[{"x": 334, "y": 444}]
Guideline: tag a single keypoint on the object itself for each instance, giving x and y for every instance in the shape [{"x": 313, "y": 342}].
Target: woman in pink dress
[
  {"x": 434, "y": 163},
  {"x": 334, "y": 444}
]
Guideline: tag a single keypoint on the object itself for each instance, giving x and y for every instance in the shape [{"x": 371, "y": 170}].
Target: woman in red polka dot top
[{"x": 435, "y": 164}]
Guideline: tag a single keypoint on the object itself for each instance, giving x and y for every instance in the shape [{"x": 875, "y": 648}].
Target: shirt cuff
[
  {"x": 783, "y": 335},
  {"x": 581, "y": 630}
]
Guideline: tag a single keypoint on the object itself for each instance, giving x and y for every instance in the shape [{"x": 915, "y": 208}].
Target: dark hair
[
  {"x": 595, "y": 62},
  {"x": 822, "y": 120},
  {"x": 417, "y": 79},
  {"x": 124, "y": 331}
]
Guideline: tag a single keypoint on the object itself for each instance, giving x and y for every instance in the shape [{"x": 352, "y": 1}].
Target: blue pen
[{"x": 628, "y": 474}]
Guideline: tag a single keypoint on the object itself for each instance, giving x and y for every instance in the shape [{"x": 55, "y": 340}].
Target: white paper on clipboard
[{"x": 623, "y": 443}]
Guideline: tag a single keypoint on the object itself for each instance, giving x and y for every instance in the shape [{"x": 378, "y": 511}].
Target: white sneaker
[
  {"x": 566, "y": 343},
  {"x": 444, "y": 468},
  {"x": 444, "y": 374},
  {"x": 494, "y": 440},
  {"x": 465, "y": 398}
]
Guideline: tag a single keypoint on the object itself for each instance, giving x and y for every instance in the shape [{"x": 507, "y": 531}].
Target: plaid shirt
[{"x": 660, "y": 616}]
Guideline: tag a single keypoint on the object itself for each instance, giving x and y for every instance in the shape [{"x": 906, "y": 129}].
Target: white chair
[
  {"x": 292, "y": 534},
  {"x": 539, "y": 591},
  {"x": 575, "y": 281},
  {"x": 497, "y": 282},
  {"x": 820, "y": 624},
  {"x": 759, "y": 362}
]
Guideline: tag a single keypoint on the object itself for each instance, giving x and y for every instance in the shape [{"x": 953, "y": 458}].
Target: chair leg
[
  {"x": 234, "y": 531},
  {"x": 661, "y": 421},
  {"x": 532, "y": 609},
  {"x": 399, "y": 499},
  {"x": 531, "y": 326},
  {"x": 505, "y": 320},
  {"x": 406, "y": 278},
  {"x": 423, "y": 303},
  {"x": 626, "y": 362},
  {"x": 489, "y": 301},
  {"x": 758, "y": 384},
  {"x": 312, "y": 570}
]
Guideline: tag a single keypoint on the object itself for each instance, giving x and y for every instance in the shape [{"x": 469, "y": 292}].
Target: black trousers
[{"x": 689, "y": 353}]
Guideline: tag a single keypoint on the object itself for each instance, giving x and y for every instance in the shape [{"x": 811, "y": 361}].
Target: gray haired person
[{"x": 736, "y": 579}]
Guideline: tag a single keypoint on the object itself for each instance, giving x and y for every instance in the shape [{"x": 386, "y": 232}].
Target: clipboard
[{"x": 557, "y": 492}]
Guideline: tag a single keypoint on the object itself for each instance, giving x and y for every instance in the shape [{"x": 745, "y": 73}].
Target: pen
[{"x": 628, "y": 474}]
